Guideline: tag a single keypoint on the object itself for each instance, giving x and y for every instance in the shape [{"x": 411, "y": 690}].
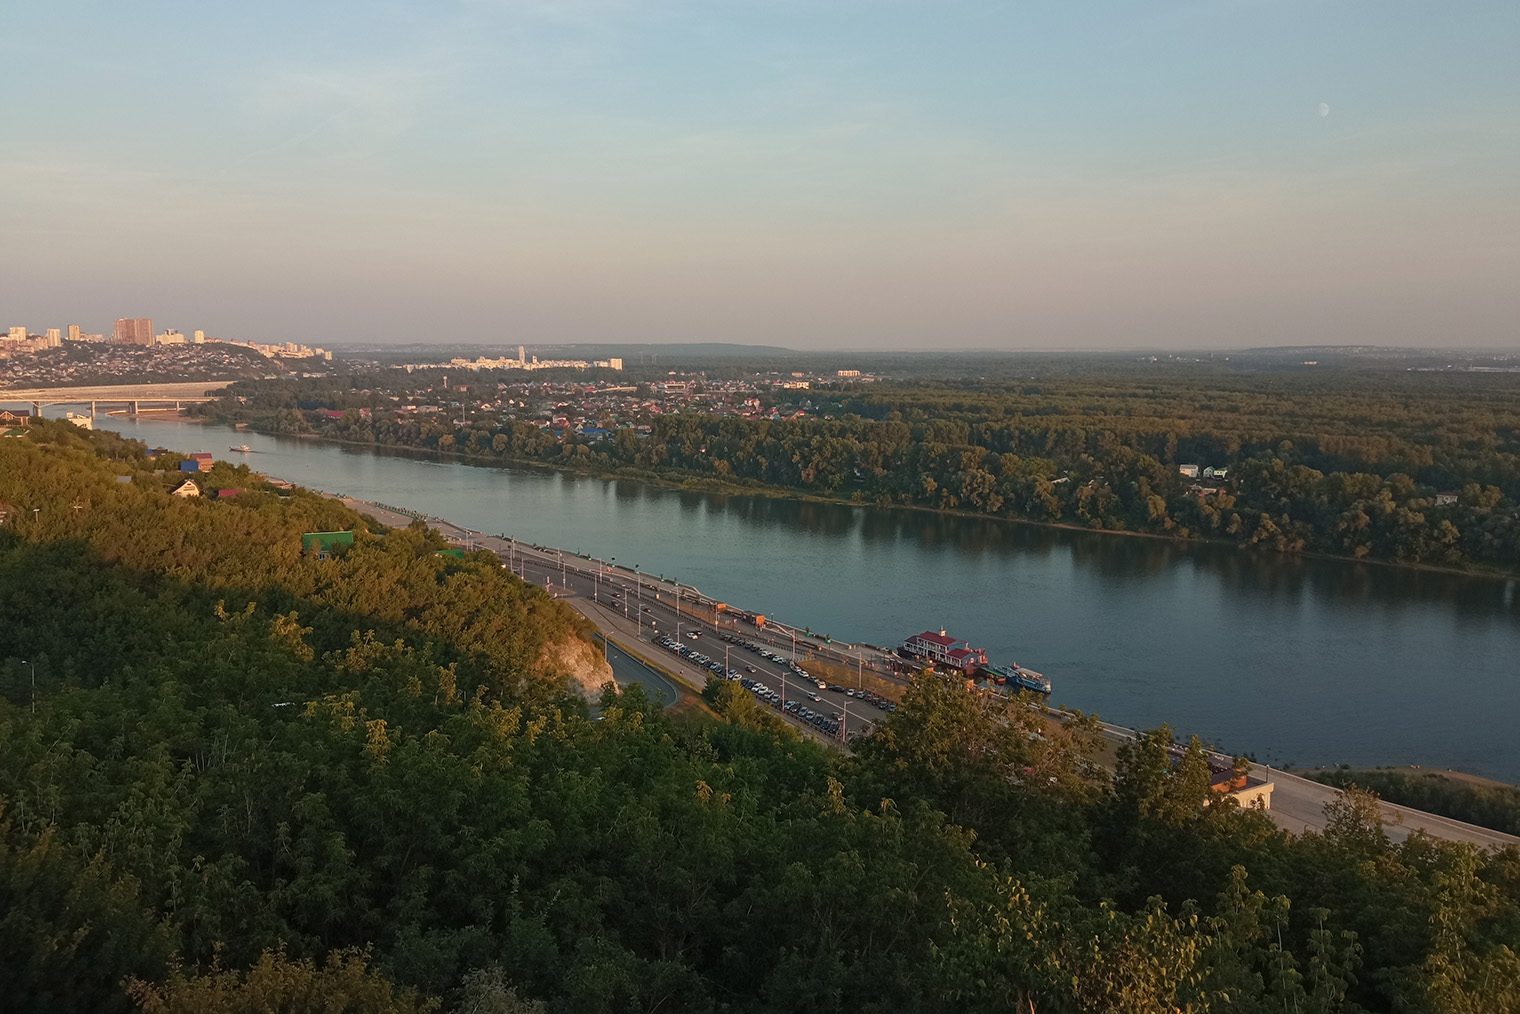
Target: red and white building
[{"x": 940, "y": 649}]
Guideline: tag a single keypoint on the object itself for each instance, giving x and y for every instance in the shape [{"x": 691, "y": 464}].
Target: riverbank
[
  {"x": 1297, "y": 804},
  {"x": 159, "y": 413},
  {"x": 1140, "y": 631},
  {"x": 1480, "y": 801},
  {"x": 719, "y": 487}
]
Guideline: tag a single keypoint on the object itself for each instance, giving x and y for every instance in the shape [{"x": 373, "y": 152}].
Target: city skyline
[{"x": 838, "y": 175}]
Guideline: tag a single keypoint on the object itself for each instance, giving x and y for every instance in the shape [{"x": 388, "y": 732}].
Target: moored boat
[
  {"x": 945, "y": 652},
  {"x": 1024, "y": 679}
]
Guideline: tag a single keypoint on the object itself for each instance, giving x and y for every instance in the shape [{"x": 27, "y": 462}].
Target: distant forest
[
  {"x": 235, "y": 778},
  {"x": 1366, "y": 462}
]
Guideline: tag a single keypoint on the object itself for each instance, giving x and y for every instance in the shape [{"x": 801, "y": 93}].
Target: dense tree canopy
[
  {"x": 252, "y": 779},
  {"x": 1347, "y": 462}
]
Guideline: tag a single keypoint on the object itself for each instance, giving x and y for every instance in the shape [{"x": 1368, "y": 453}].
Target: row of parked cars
[
  {"x": 765, "y": 652},
  {"x": 691, "y": 654},
  {"x": 828, "y": 723}
]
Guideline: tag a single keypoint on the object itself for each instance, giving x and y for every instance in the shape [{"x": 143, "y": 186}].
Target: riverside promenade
[{"x": 1295, "y": 803}]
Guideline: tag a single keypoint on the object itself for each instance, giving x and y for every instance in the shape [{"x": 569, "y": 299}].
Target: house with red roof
[{"x": 943, "y": 650}]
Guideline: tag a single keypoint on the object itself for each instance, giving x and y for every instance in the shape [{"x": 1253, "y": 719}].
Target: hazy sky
[{"x": 811, "y": 173}]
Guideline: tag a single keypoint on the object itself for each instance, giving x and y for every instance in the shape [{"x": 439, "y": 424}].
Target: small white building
[
  {"x": 187, "y": 488},
  {"x": 1191, "y": 471}
]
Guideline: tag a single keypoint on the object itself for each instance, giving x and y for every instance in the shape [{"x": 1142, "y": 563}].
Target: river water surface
[{"x": 1294, "y": 661}]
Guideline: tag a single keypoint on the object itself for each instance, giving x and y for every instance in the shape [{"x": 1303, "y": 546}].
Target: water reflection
[{"x": 1292, "y": 658}]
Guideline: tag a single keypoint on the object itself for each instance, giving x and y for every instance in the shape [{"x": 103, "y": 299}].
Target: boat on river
[
  {"x": 1017, "y": 675},
  {"x": 242, "y": 449}
]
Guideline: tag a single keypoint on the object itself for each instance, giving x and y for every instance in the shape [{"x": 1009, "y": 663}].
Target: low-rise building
[{"x": 321, "y": 544}]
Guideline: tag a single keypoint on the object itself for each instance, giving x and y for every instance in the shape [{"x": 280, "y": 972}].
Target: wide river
[{"x": 1294, "y": 661}]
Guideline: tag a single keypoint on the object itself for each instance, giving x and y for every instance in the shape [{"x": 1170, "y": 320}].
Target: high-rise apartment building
[
  {"x": 200, "y": 337},
  {"x": 54, "y": 337},
  {"x": 18, "y": 333},
  {"x": 74, "y": 332},
  {"x": 134, "y": 331},
  {"x": 522, "y": 354}
]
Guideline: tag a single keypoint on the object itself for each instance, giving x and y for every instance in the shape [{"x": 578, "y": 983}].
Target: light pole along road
[
  {"x": 1297, "y": 803},
  {"x": 653, "y": 610}
]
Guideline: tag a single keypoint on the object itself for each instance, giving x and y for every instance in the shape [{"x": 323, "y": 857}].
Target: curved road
[{"x": 626, "y": 669}]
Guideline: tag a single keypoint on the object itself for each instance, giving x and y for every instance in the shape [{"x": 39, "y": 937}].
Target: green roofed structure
[
  {"x": 457, "y": 554},
  {"x": 322, "y": 543}
]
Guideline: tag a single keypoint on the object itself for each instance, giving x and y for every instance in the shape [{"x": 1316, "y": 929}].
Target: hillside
[{"x": 251, "y": 779}]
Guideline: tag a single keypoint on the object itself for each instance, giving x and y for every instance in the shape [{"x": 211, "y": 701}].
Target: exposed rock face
[{"x": 581, "y": 662}]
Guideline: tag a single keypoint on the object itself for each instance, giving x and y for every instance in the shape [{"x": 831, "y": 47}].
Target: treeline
[
  {"x": 80, "y": 500},
  {"x": 1492, "y": 806},
  {"x": 220, "y": 807},
  {"x": 1347, "y": 463}
]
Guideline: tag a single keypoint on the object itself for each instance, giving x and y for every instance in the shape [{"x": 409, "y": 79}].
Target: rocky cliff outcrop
[{"x": 580, "y": 661}]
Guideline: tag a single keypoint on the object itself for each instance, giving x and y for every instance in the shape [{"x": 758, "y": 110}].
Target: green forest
[
  {"x": 238, "y": 778},
  {"x": 1487, "y": 805},
  {"x": 1347, "y": 461}
]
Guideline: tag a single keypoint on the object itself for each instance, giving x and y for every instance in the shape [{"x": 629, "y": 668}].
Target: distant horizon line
[{"x": 963, "y": 350}]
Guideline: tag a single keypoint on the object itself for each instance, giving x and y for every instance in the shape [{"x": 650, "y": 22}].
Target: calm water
[{"x": 1295, "y": 661}]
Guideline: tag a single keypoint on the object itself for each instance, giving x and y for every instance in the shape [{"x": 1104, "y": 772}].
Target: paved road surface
[
  {"x": 1298, "y": 805},
  {"x": 197, "y": 390},
  {"x": 626, "y": 669},
  {"x": 638, "y": 608}
]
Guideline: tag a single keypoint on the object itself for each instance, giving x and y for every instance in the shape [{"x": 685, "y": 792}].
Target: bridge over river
[{"x": 134, "y": 396}]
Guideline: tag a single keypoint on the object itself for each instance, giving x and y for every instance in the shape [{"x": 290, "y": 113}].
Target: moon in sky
[{"x": 1324, "y": 110}]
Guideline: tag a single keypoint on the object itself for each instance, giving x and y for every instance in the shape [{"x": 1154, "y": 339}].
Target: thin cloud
[{"x": 377, "y": 101}]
